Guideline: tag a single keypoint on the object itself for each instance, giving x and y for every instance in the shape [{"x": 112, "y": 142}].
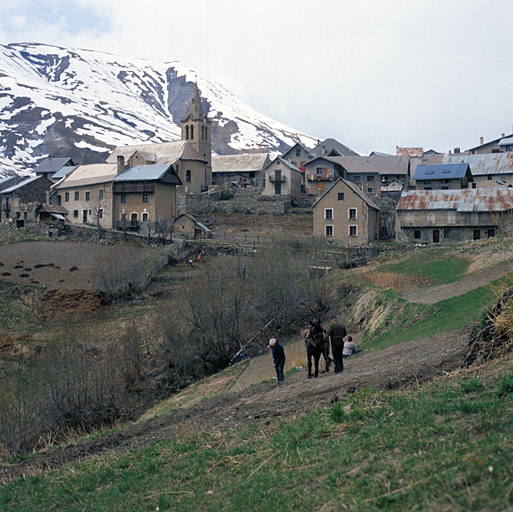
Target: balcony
[
  {"x": 277, "y": 179},
  {"x": 134, "y": 188},
  {"x": 319, "y": 177}
]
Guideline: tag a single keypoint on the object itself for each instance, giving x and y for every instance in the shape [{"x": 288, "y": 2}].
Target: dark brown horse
[{"x": 316, "y": 345}]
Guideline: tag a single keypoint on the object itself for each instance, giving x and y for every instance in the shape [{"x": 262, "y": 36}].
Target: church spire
[{"x": 195, "y": 109}]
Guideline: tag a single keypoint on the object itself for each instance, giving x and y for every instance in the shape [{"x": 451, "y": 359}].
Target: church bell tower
[{"x": 196, "y": 128}]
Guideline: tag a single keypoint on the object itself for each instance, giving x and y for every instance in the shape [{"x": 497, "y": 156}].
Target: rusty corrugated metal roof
[
  {"x": 485, "y": 163},
  {"x": 467, "y": 200}
]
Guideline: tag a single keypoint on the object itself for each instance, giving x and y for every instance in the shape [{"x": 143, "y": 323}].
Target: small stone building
[
  {"x": 345, "y": 214},
  {"x": 282, "y": 179},
  {"x": 187, "y": 226}
]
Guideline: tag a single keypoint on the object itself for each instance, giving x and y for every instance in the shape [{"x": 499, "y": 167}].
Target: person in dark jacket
[
  {"x": 336, "y": 332},
  {"x": 278, "y": 358}
]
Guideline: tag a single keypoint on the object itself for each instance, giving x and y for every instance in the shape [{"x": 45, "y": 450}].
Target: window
[
  {"x": 341, "y": 196},
  {"x": 145, "y": 217},
  {"x": 352, "y": 213},
  {"x": 491, "y": 232},
  {"x": 100, "y": 213},
  {"x": 416, "y": 234},
  {"x": 76, "y": 196},
  {"x": 383, "y": 179},
  {"x": 353, "y": 230},
  {"x": 75, "y": 214},
  {"x": 370, "y": 190},
  {"x": 319, "y": 170},
  {"x": 444, "y": 188},
  {"x": 206, "y": 133},
  {"x": 474, "y": 185},
  {"x": 370, "y": 179},
  {"x": 145, "y": 198},
  {"x": 356, "y": 178},
  {"x": 445, "y": 181},
  {"x": 329, "y": 230},
  {"x": 66, "y": 197},
  {"x": 123, "y": 198},
  {"x": 192, "y": 132},
  {"x": 202, "y": 132},
  {"x": 186, "y": 133},
  {"x": 489, "y": 177},
  {"x": 298, "y": 151},
  {"x": 328, "y": 213},
  {"x": 447, "y": 233},
  {"x": 88, "y": 196},
  {"x": 188, "y": 176},
  {"x": 100, "y": 194}
]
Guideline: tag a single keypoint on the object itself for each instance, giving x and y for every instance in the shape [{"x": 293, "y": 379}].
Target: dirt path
[
  {"x": 435, "y": 294},
  {"x": 391, "y": 367}
]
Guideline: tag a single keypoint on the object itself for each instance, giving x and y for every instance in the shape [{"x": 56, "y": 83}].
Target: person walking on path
[
  {"x": 336, "y": 332},
  {"x": 278, "y": 358}
]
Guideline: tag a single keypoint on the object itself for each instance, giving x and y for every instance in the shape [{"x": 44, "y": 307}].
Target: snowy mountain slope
[{"x": 80, "y": 103}]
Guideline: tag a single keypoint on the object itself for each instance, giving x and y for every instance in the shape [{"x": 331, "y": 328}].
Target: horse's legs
[
  {"x": 317, "y": 356},
  {"x": 309, "y": 357}
]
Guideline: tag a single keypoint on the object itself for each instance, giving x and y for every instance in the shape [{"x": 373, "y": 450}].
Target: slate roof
[
  {"x": 147, "y": 173},
  {"x": 332, "y": 144},
  {"x": 495, "y": 141},
  {"x": 165, "y": 153},
  {"x": 485, "y": 163},
  {"x": 355, "y": 189},
  {"x": 53, "y": 208},
  {"x": 506, "y": 141},
  {"x": 440, "y": 172},
  {"x": 462, "y": 200},
  {"x": 373, "y": 164},
  {"x": 304, "y": 148},
  {"x": 52, "y": 165},
  {"x": 91, "y": 174},
  {"x": 246, "y": 162},
  {"x": 20, "y": 185},
  {"x": 285, "y": 162}
]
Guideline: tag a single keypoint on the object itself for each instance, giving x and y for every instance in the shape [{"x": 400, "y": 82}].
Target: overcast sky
[{"x": 371, "y": 73}]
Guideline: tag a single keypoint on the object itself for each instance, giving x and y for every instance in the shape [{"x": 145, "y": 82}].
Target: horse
[{"x": 315, "y": 346}]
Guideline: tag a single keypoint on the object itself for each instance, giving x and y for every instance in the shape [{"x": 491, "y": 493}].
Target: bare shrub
[{"x": 123, "y": 273}]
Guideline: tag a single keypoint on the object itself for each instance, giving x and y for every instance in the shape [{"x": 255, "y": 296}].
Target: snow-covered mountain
[{"x": 64, "y": 102}]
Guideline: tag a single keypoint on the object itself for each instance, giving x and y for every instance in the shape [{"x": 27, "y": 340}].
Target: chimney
[
  {"x": 503, "y": 135},
  {"x": 481, "y": 141},
  {"x": 323, "y": 150},
  {"x": 457, "y": 150},
  {"x": 121, "y": 163}
]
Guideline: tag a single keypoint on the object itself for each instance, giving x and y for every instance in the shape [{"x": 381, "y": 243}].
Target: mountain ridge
[{"x": 62, "y": 102}]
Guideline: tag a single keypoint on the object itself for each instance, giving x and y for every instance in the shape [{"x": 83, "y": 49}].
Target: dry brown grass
[
  {"x": 296, "y": 354},
  {"x": 396, "y": 281}
]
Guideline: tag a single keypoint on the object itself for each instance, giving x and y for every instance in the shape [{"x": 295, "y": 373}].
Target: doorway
[{"x": 436, "y": 236}]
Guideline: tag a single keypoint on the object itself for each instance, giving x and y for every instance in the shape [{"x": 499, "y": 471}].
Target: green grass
[
  {"x": 445, "y": 316},
  {"x": 433, "y": 265},
  {"x": 445, "y": 446}
]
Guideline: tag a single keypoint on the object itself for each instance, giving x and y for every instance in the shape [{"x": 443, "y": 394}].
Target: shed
[{"x": 187, "y": 226}]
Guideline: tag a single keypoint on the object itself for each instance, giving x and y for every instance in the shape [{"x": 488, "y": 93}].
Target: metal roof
[
  {"x": 485, "y": 163},
  {"x": 246, "y": 162},
  {"x": 440, "y": 171},
  {"x": 145, "y": 173},
  {"x": 461, "y": 200},
  {"x": 62, "y": 172},
  {"x": 91, "y": 174},
  {"x": 19, "y": 185},
  {"x": 506, "y": 141}
]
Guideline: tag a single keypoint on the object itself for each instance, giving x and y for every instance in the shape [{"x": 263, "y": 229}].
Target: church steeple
[{"x": 196, "y": 129}]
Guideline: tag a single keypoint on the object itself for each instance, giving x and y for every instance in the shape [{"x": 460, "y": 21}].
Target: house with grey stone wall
[
  {"x": 282, "y": 179},
  {"x": 444, "y": 216},
  {"x": 442, "y": 176}
]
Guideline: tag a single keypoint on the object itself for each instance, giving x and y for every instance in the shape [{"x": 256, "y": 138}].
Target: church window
[
  {"x": 202, "y": 132},
  {"x": 188, "y": 176},
  {"x": 186, "y": 133},
  {"x": 192, "y": 132},
  {"x": 206, "y": 132}
]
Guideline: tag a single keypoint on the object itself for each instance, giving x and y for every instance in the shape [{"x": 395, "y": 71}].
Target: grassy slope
[{"x": 444, "y": 446}]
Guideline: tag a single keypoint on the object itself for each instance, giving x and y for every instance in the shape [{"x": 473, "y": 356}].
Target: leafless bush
[{"x": 122, "y": 274}]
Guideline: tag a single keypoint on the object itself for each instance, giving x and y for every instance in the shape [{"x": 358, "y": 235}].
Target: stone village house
[
  {"x": 282, "y": 179},
  {"x": 442, "y": 176},
  {"x": 441, "y": 216},
  {"x": 345, "y": 214}
]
